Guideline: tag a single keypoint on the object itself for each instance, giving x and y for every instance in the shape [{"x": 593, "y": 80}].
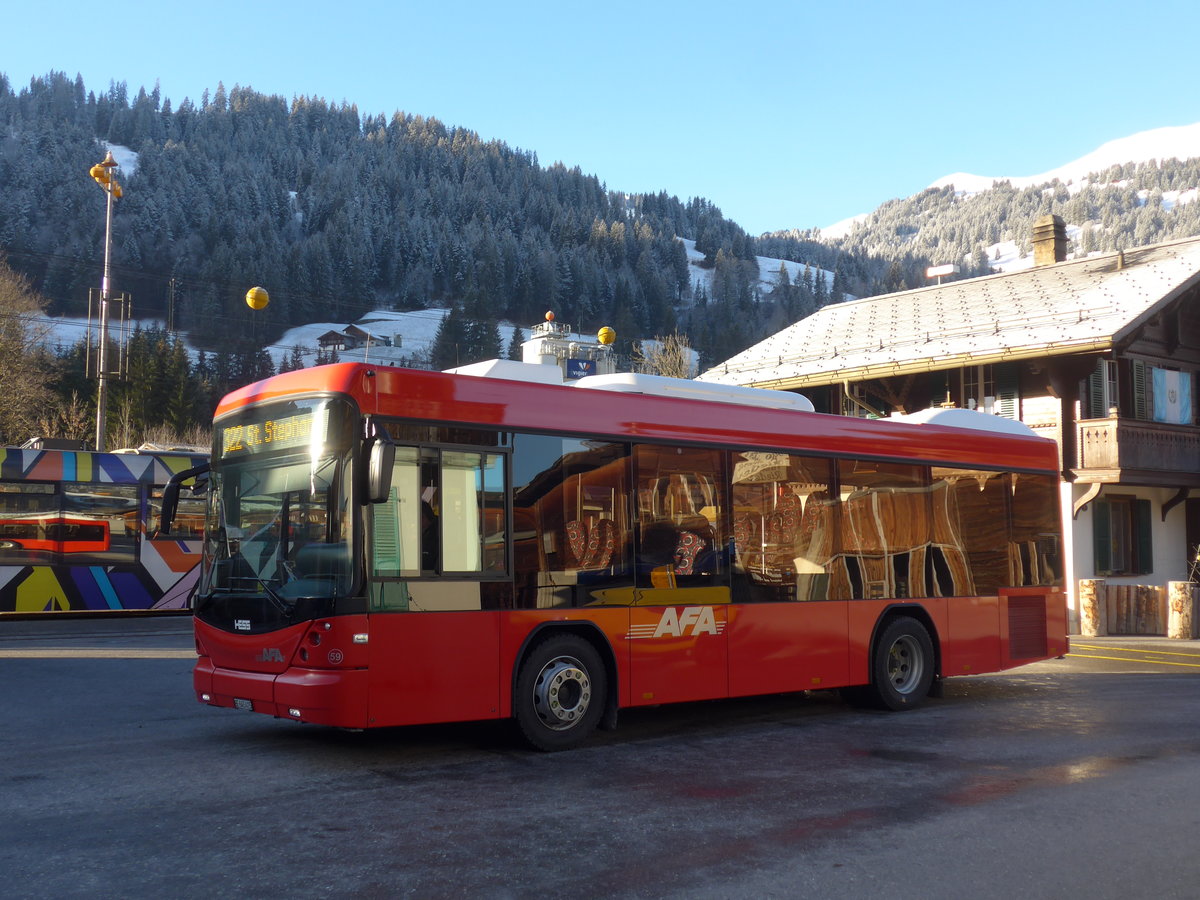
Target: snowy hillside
[
  {"x": 768, "y": 270},
  {"x": 411, "y": 333},
  {"x": 1181, "y": 142}
]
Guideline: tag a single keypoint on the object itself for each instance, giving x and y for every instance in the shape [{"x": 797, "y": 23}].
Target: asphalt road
[{"x": 1074, "y": 777}]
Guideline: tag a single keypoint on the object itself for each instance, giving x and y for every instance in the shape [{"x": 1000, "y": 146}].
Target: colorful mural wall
[{"x": 50, "y": 494}]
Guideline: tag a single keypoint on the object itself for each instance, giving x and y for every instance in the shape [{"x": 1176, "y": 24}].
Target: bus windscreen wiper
[{"x": 278, "y": 602}]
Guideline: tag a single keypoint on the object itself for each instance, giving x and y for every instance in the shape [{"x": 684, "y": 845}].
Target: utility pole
[{"x": 106, "y": 177}]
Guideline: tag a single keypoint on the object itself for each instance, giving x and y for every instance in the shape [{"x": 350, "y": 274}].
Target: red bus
[{"x": 391, "y": 547}]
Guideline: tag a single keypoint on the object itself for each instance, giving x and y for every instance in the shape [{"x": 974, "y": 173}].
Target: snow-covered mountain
[
  {"x": 1174, "y": 142},
  {"x": 1182, "y": 142}
]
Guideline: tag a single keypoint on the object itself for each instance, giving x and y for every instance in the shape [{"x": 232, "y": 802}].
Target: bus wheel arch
[
  {"x": 563, "y": 687},
  {"x": 904, "y": 662}
]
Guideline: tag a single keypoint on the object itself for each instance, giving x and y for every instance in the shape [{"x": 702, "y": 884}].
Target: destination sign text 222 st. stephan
[{"x": 270, "y": 434}]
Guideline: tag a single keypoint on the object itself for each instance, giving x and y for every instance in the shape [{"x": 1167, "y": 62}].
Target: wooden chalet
[{"x": 1100, "y": 354}]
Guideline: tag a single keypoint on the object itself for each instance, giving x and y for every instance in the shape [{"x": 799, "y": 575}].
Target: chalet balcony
[{"x": 1135, "y": 452}]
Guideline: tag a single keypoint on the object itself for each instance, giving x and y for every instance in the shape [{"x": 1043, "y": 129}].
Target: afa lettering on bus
[{"x": 690, "y": 621}]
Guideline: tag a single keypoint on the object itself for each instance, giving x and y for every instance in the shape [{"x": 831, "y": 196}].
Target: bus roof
[{"x": 440, "y": 397}]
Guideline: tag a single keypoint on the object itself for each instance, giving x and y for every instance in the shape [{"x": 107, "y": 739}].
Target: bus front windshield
[{"x": 278, "y": 526}]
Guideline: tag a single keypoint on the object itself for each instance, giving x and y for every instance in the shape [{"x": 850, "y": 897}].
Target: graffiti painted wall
[{"x": 77, "y": 532}]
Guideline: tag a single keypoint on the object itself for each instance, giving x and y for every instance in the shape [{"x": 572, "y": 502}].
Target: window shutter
[
  {"x": 1095, "y": 395},
  {"x": 1102, "y": 537},
  {"x": 386, "y": 537},
  {"x": 1007, "y": 382},
  {"x": 1143, "y": 526},
  {"x": 1141, "y": 406}
]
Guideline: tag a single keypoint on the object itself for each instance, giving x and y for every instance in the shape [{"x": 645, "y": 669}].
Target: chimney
[{"x": 1049, "y": 241}]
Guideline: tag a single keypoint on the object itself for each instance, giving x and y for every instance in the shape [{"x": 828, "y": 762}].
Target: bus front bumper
[{"x": 336, "y": 697}]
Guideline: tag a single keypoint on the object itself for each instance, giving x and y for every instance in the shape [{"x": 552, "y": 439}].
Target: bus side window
[
  {"x": 472, "y": 499},
  {"x": 680, "y": 501},
  {"x": 571, "y": 542},
  {"x": 22, "y": 504},
  {"x": 188, "y": 522},
  {"x": 106, "y": 507},
  {"x": 445, "y": 514}
]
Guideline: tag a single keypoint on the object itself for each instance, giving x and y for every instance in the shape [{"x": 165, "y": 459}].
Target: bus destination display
[{"x": 269, "y": 434}]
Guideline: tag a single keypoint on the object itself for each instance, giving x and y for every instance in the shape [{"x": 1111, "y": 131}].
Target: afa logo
[{"x": 690, "y": 621}]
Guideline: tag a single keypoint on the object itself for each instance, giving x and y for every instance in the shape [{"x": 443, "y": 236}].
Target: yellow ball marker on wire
[{"x": 257, "y": 298}]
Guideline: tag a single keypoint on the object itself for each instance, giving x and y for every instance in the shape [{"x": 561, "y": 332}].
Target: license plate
[{"x": 239, "y": 703}]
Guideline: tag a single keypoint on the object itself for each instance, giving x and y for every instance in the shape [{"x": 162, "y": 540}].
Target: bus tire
[
  {"x": 902, "y": 666},
  {"x": 560, "y": 693}
]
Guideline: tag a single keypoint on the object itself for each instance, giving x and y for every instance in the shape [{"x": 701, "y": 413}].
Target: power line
[{"x": 184, "y": 283}]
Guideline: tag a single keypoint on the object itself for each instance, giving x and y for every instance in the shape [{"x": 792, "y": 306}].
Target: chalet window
[
  {"x": 993, "y": 389},
  {"x": 1099, "y": 390},
  {"x": 1148, "y": 393},
  {"x": 1006, "y": 390},
  {"x": 1154, "y": 394},
  {"x": 1121, "y": 536}
]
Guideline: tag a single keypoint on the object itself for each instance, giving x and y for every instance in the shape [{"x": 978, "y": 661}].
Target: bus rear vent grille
[{"x": 1026, "y": 627}]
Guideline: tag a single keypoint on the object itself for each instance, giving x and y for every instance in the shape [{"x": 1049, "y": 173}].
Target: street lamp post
[{"x": 105, "y": 175}]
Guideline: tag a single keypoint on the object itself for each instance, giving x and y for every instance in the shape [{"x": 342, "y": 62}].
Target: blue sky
[{"x": 785, "y": 115}]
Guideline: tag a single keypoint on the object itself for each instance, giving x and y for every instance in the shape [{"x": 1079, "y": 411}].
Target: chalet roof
[
  {"x": 1079, "y": 306},
  {"x": 363, "y": 334}
]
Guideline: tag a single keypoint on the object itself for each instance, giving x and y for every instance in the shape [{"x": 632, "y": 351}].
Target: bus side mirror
[
  {"x": 170, "y": 495},
  {"x": 381, "y": 456}
]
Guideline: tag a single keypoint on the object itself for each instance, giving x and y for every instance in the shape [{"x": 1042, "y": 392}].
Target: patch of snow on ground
[
  {"x": 1006, "y": 257},
  {"x": 768, "y": 270},
  {"x": 414, "y": 331},
  {"x": 841, "y": 229},
  {"x": 126, "y": 159}
]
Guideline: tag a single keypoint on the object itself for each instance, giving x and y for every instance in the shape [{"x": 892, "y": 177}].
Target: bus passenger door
[
  {"x": 433, "y": 545},
  {"x": 680, "y": 606}
]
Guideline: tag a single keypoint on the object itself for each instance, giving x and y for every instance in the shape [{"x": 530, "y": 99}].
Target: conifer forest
[{"x": 339, "y": 213}]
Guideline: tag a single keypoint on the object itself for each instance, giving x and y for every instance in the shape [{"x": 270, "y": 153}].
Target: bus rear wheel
[
  {"x": 902, "y": 667},
  {"x": 560, "y": 694}
]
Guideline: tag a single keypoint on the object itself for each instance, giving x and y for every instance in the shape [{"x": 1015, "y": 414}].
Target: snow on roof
[
  {"x": 1070, "y": 307},
  {"x": 661, "y": 385},
  {"x": 965, "y": 418},
  {"x": 511, "y": 370}
]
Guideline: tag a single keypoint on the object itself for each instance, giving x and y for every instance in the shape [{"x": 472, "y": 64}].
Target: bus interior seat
[
  {"x": 592, "y": 547},
  {"x": 695, "y": 538}
]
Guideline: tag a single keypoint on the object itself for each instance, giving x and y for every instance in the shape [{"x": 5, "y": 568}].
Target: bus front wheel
[
  {"x": 560, "y": 694},
  {"x": 902, "y": 667}
]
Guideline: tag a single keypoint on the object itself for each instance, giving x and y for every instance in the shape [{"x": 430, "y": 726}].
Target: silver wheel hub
[
  {"x": 562, "y": 693},
  {"x": 905, "y": 665}
]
